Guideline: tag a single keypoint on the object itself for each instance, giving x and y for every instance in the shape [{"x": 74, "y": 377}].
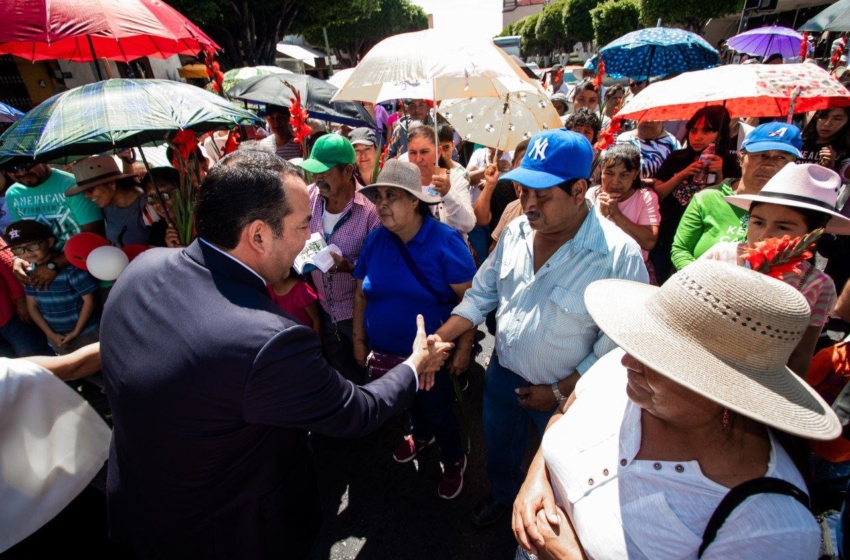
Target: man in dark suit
[{"x": 213, "y": 388}]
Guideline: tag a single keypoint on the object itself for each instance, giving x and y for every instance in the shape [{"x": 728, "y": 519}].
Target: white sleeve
[
  {"x": 457, "y": 204},
  {"x": 767, "y": 526}
]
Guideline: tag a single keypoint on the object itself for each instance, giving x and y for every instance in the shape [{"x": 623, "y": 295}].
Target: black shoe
[{"x": 488, "y": 512}]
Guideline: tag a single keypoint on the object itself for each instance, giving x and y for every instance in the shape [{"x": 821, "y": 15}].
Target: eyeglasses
[
  {"x": 154, "y": 200},
  {"x": 21, "y": 167},
  {"x": 21, "y": 249}
]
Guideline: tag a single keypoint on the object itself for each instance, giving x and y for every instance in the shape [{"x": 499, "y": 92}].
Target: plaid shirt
[
  {"x": 61, "y": 303},
  {"x": 336, "y": 289}
]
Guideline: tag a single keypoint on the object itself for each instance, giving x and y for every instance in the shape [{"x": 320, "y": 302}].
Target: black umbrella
[{"x": 315, "y": 97}]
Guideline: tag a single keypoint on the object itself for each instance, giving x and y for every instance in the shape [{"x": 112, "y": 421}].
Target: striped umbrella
[{"x": 120, "y": 113}]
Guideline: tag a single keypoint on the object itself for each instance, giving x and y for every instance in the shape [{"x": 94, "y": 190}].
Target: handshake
[{"x": 429, "y": 354}]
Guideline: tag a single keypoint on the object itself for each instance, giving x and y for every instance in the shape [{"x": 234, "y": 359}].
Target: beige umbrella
[
  {"x": 501, "y": 123},
  {"x": 445, "y": 66}
]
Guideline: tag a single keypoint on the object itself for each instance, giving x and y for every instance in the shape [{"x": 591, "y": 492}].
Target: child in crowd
[
  {"x": 794, "y": 202},
  {"x": 621, "y": 199},
  {"x": 65, "y": 310},
  {"x": 296, "y": 297}
]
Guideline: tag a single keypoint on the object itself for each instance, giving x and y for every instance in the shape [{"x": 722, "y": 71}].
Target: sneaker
[
  {"x": 407, "y": 449},
  {"x": 488, "y": 512},
  {"x": 452, "y": 482}
]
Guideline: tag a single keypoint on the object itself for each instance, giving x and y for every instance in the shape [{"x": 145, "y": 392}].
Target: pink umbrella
[
  {"x": 88, "y": 30},
  {"x": 746, "y": 90}
]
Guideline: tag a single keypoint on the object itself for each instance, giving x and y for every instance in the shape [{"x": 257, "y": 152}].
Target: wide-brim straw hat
[
  {"x": 808, "y": 185},
  {"x": 94, "y": 171},
  {"x": 401, "y": 175},
  {"x": 724, "y": 332}
]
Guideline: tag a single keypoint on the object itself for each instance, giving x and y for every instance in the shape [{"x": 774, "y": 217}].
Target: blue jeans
[
  {"x": 433, "y": 414},
  {"x": 23, "y": 339},
  {"x": 506, "y": 430}
]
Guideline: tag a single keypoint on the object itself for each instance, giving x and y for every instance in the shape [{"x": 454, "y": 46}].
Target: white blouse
[{"x": 621, "y": 507}]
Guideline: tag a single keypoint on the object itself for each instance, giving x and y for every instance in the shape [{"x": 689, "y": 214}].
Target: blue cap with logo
[
  {"x": 553, "y": 157},
  {"x": 774, "y": 136}
]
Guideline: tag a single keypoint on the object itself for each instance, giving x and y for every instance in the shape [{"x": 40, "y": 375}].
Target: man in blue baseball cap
[
  {"x": 709, "y": 219},
  {"x": 535, "y": 280}
]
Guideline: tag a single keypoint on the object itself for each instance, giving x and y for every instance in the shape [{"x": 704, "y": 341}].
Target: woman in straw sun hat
[
  {"x": 797, "y": 200},
  {"x": 656, "y": 435}
]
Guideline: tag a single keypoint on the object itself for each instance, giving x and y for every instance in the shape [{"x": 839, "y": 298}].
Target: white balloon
[{"x": 107, "y": 263}]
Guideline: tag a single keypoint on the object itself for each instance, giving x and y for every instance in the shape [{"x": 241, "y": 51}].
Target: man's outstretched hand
[{"x": 428, "y": 354}]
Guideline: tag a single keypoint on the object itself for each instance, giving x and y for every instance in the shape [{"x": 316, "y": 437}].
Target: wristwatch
[
  {"x": 558, "y": 396},
  {"x": 52, "y": 266}
]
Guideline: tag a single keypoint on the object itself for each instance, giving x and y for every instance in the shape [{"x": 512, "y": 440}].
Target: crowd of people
[{"x": 634, "y": 329}]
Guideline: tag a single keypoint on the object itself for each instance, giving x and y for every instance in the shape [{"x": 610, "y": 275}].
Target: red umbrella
[{"x": 88, "y": 30}]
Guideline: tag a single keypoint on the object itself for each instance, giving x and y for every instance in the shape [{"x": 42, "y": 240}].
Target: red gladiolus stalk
[
  {"x": 778, "y": 257},
  {"x": 185, "y": 145},
  {"x": 298, "y": 116}
]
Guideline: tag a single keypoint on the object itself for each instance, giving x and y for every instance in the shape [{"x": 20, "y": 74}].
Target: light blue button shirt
[{"x": 544, "y": 331}]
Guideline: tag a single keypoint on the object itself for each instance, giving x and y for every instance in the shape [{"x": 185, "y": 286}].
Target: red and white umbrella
[
  {"x": 746, "y": 90},
  {"x": 87, "y": 30}
]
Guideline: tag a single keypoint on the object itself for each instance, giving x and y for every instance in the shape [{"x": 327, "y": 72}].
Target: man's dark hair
[
  {"x": 276, "y": 109},
  {"x": 245, "y": 186},
  {"x": 164, "y": 176},
  {"x": 585, "y": 117},
  {"x": 445, "y": 133},
  {"x": 567, "y": 186}
]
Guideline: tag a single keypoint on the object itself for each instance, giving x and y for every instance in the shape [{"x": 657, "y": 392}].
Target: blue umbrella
[
  {"x": 657, "y": 51},
  {"x": 9, "y": 114}
]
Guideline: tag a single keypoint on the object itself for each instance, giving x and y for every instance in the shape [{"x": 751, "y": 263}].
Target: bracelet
[{"x": 557, "y": 392}]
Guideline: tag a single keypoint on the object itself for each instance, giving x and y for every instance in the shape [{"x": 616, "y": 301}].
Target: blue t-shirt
[
  {"x": 394, "y": 294},
  {"x": 61, "y": 303}
]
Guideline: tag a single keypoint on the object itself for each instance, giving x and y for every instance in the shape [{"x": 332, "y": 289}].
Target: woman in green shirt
[{"x": 709, "y": 219}]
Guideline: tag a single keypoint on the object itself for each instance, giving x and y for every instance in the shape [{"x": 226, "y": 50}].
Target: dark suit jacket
[{"x": 213, "y": 389}]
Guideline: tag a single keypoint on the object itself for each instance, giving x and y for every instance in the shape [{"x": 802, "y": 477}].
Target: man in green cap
[{"x": 344, "y": 217}]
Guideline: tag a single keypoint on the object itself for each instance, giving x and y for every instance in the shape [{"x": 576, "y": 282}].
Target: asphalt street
[{"x": 376, "y": 508}]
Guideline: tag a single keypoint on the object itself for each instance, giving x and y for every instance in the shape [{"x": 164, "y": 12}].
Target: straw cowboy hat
[
  {"x": 401, "y": 175},
  {"x": 808, "y": 186},
  {"x": 724, "y": 332},
  {"x": 94, "y": 171}
]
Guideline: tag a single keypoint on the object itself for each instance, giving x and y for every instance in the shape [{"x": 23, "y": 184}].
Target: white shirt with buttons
[{"x": 626, "y": 508}]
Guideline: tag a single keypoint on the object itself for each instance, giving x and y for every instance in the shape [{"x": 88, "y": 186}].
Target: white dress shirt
[{"x": 544, "y": 332}]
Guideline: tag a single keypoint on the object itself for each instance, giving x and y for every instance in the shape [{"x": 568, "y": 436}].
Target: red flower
[
  {"x": 778, "y": 257},
  {"x": 216, "y": 88},
  {"x": 599, "y": 74},
  {"x": 185, "y": 141},
  {"x": 384, "y": 155},
  {"x": 232, "y": 143},
  {"x": 609, "y": 135},
  {"x": 216, "y": 67}
]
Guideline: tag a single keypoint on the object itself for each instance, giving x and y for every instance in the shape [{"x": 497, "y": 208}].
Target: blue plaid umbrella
[
  {"x": 9, "y": 114},
  {"x": 656, "y": 51},
  {"x": 114, "y": 114}
]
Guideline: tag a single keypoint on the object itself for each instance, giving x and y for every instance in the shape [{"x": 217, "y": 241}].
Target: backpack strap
[{"x": 736, "y": 496}]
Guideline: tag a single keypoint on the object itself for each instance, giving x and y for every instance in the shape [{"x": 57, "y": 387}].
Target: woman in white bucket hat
[
  {"x": 656, "y": 435},
  {"x": 797, "y": 200}
]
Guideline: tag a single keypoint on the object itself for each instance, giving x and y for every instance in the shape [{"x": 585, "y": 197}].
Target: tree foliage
[
  {"x": 577, "y": 22},
  {"x": 691, "y": 14},
  {"x": 614, "y": 18},
  {"x": 351, "y": 40},
  {"x": 557, "y": 27},
  {"x": 248, "y": 30}
]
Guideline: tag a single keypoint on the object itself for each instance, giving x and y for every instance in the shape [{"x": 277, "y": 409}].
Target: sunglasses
[
  {"x": 21, "y": 249},
  {"x": 154, "y": 200},
  {"x": 18, "y": 168}
]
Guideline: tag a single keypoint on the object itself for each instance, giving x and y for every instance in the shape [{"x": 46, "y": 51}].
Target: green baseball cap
[{"x": 329, "y": 151}]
